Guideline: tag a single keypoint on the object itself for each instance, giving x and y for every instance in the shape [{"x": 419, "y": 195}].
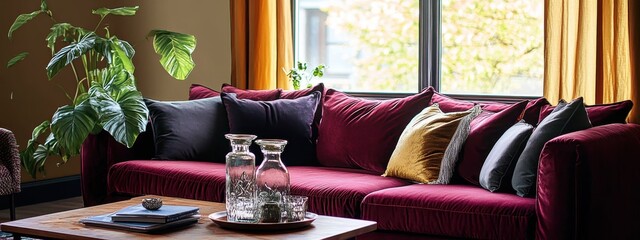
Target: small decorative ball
[{"x": 152, "y": 203}]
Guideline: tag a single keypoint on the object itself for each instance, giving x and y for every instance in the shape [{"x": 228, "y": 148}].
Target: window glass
[
  {"x": 492, "y": 47},
  {"x": 366, "y": 46}
]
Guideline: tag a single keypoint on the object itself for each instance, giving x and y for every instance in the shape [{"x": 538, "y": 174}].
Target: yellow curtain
[
  {"x": 588, "y": 51},
  {"x": 261, "y": 43}
]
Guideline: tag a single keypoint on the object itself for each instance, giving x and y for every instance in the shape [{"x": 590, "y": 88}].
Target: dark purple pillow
[
  {"x": 197, "y": 91},
  {"x": 532, "y": 111},
  {"x": 486, "y": 129},
  {"x": 601, "y": 114},
  {"x": 189, "y": 130},
  {"x": 448, "y": 104},
  {"x": 304, "y": 92},
  {"x": 362, "y": 133},
  {"x": 257, "y": 95},
  {"x": 288, "y": 119}
]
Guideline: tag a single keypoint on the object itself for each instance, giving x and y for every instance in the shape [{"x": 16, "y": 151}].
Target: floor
[{"x": 43, "y": 208}]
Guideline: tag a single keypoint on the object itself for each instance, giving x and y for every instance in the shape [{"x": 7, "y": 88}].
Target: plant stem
[{"x": 98, "y": 25}]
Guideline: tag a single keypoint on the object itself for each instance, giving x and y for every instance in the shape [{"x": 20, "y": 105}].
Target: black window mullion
[{"x": 430, "y": 44}]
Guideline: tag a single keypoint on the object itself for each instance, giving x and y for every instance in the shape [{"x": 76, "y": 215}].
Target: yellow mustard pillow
[{"x": 421, "y": 146}]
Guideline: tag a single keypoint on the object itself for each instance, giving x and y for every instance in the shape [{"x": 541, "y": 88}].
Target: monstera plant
[{"x": 105, "y": 95}]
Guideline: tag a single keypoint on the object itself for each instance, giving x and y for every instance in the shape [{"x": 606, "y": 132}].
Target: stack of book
[{"x": 137, "y": 218}]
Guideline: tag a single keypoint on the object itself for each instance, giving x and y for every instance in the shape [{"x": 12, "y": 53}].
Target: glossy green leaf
[
  {"x": 64, "y": 30},
  {"x": 43, "y": 6},
  {"x": 121, "y": 56},
  {"x": 27, "y": 159},
  {"x": 121, "y": 11},
  {"x": 21, "y": 20},
  {"x": 175, "y": 51},
  {"x": 122, "y": 114},
  {"x": 71, "y": 125},
  {"x": 67, "y": 54},
  {"x": 17, "y": 58}
]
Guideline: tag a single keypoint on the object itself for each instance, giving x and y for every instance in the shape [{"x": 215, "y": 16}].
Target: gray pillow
[
  {"x": 563, "y": 120},
  {"x": 497, "y": 169},
  {"x": 189, "y": 130}
]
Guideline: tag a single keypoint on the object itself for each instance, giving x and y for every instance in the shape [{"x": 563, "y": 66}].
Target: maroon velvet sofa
[{"x": 585, "y": 189}]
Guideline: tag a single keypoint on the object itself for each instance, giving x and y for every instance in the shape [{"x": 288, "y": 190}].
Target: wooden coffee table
[{"x": 65, "y": 225}]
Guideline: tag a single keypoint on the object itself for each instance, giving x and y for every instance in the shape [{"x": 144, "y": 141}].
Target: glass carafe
[
  {"x": 240, "y": 183},
  {"x": 272, "y": 181}
]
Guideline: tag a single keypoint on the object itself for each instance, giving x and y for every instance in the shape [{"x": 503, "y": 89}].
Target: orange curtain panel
[
  {"x": 590, "y": 51},
  {"x": 261, "y": 43}
]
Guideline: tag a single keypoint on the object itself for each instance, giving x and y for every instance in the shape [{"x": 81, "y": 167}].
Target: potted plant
[
  {"x": 299, "y": 72},
  {"x": 105, "y": 96}
]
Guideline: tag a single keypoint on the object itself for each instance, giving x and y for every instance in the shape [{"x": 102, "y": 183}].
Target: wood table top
[{"x": 65, "y": 225}]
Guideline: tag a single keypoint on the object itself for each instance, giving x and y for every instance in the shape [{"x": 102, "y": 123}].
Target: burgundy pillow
[
  {"x": 486, "y": 129},
  {"x": 532, "y": 111},
  {"x": 494, "y": 106},
  {"x": 448, "y": 104},
  {"x": 257, "y": 95},
  {"x": 304, "y": 92},
  {"x": 197, "y": 91},
  {"x": 601, "y": 114},
  {"x": 362, "y": 133}
]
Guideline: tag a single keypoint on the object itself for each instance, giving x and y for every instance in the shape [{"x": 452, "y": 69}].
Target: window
[{"x": 469, "y": 47}]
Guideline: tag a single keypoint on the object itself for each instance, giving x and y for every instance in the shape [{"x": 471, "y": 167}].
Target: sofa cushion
[
  {"x": 189, "y": 130},
  {"x": 497, "y": 169},
  {"x": 362, "y": 133},
  {"x": 293, "y": 94},
  {"x": 185, "y": 179},
  {"x": 448, "y": 104},
  {"x": 601, "y": 114},
  {"x": 451, "y": 210},
  {"x": 421, "y": 147},
  {"x": 197, "y": 91},
  {"x": 288, "y": 119},
  {"x": 532, "y": 111},
  {"x": 565, "y": 119},
  {"x": 258, "y": 95},
  {"x": 337, "y": 191},
  {"x": 486, "y": 129}
]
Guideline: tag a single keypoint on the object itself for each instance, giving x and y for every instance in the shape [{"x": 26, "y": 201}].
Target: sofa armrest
[
  {"x": 99, "y": 152},
  {"x": 586, "y": 184}
]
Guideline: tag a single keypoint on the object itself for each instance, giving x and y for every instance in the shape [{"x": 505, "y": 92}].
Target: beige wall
[{"x": 27, "y": 98}]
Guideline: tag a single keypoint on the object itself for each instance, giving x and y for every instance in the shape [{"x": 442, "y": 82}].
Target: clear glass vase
[
  {"x": 240, "y": 183},
  {"x": 272, "y": 181}
]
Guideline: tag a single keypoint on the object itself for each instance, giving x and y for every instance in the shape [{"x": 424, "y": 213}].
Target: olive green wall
[{"x": 27, "y": 97}]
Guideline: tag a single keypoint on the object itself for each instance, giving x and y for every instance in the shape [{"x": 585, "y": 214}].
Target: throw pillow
[
  {"x": 189, "y": 130},
  {"x": 258, "y": 95},
  {"x": 362, "y": 133},
  {"x": 532, "y": 111},
  {"x": 486, "y": 129},
  {"x": 566, "y": 119},
  {"x": 497, "y": 169},
  {"x": 304, "y": 92},
  {"x": 197, "y": 91},
  {"x": 288, "y": 119},
  {"x": 421, "y": 147},
  {"x": 602, "y": 114},
  {"x": 448, "y": 104}
]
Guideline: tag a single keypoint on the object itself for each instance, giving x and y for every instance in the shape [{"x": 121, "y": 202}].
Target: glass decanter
[
  {"x": 240, "y": 183},
  {"x": 272, "y": 181}
]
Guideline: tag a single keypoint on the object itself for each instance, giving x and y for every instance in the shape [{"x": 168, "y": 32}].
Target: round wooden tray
[{"x": 220, "y": 218}]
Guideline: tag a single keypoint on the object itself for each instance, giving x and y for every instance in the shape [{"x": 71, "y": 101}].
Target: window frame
[{"x": 429, "y": 57}]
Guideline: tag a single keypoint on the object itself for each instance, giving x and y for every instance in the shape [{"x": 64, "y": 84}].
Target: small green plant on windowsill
[
  {"x": 106, "y": 97},
  {"x": 299, "y": 73}
]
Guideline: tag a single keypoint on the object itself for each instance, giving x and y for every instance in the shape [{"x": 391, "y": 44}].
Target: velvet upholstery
[
  {"x": 486, "y": 129},
  {"x": 586, "y": 184},
  {"x": 361, "y": 133},
  {"x": 532, "y": 111},
  {"x": 451, "y": 210},
  {"x": 197, "y": 91},
  {"x": 600, "y": 114},
  {"x": 179, "y": 178},
  {"x": 189, "y": 130},
  {"x": 328, "y": 192},
  {"x": 288, "y": 119},
  {"x": 448, "y": 104},
  {"x": 257, "y": 95},
  {"x": 293, "y": 94}
]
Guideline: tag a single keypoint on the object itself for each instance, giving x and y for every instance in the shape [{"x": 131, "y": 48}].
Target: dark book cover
[{"x": 107, "y": 222}]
